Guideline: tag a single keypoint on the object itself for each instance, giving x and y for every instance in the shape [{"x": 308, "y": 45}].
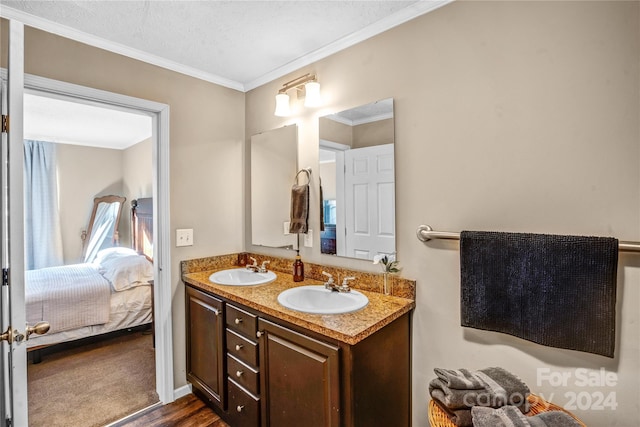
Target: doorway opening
[
  {"x": 155, "y": 186},
  {"x": 86, "y": 165}
]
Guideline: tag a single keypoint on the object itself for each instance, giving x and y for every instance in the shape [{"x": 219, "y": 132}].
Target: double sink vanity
[{"x": 264, "y": 350}]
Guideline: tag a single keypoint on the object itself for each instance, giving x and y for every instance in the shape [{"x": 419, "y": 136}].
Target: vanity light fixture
[{"x": 307, "y": 86}]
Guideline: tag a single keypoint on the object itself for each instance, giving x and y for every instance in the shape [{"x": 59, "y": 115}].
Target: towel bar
[{"x": 426, "y": 233}]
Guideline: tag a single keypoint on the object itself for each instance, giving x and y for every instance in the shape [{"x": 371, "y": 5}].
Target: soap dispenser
[{"x": 298, "y": 268}]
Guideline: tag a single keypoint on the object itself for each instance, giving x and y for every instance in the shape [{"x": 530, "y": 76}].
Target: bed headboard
[{"x": 142, "y": 226}]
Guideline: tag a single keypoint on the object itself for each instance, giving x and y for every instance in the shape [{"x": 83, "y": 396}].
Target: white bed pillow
[
  {"x": 124, "y": 268},
  {"x": 112, "y": 253}
]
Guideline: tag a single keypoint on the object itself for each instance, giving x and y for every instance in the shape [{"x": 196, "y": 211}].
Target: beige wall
[
  {"x": 83, "y": 174},
  {"x": 374, "y": 133},
  {"x": 328, "y": 174},
  {"x": 333, "y": 131},
  {"x": 358, "y": 136},
  {"x": 511, "y": 116},
  {"x": 88, "y": 172},
  {"x": 206, "y": 148}
]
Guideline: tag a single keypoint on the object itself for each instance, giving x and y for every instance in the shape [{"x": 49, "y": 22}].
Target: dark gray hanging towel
[
  {"x": 300, "y": 205},
  {"x": 558, "y": 291}
]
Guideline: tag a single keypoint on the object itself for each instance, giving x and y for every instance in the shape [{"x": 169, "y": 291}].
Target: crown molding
[
  {"x": 417, "y": 9},
  {"x": 391, "y": 21},
  {"x": 82, "y": 37}
]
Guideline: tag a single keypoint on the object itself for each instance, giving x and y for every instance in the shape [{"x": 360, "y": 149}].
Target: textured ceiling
[{"x": 240, "y": 44}]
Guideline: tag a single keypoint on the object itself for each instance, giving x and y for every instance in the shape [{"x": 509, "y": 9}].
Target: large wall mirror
[
  {"x": 357, "y": 175},
  {"x": 274, "y": 161}
]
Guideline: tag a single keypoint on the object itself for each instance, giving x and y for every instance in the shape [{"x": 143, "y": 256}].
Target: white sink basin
[
  {"x": 318, "y": 300},
  {"x": 241, "y": 277}
]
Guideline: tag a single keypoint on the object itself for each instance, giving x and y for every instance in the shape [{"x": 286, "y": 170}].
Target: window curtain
[{"x": 43, "y": 237}]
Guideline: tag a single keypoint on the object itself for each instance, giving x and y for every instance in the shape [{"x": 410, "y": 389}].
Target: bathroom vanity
[{"x": 260, "y": 364}]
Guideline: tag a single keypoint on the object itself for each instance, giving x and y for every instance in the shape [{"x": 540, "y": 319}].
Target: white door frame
[{"x": 162, "y": 249}]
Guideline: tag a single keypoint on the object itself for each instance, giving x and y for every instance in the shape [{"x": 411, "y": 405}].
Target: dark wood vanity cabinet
[
  {"x": 300, "y": 379},
  {"x": 274, "y": 374},
  {"x": 205, "y": 346}
]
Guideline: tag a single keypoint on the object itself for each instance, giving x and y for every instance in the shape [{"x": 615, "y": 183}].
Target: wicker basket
[{"x": 438, "y": 418}]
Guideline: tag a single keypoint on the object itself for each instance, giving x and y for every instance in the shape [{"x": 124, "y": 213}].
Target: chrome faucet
[
  {"x": 344, "y": 287},
  {"x": 330, "y": 284},
  {"x": 253, "y": 267},
  {"x": 263, "y": 267}
]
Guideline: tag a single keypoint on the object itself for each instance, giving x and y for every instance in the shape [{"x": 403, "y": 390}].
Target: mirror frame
[{"x": 86, "y": 236}]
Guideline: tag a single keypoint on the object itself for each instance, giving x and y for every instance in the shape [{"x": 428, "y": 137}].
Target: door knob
[
  {"x": 8, "y": 335},
  {"x": 11, "y": 335},
  {"x": 39, "y": 328}
]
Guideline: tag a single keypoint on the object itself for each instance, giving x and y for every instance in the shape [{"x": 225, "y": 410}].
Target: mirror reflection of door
[{"x": 358, "y": 181}]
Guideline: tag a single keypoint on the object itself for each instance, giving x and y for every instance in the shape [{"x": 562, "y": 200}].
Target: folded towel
[
  {"x": 459, "y": 378},
  {"x": 300, "y": 206},
  {"x": 499, "y": 388},
  {"x": 459, "y": 417},
  {"x": 510, "y": 416},
  {"x": 558, "y": 291}
]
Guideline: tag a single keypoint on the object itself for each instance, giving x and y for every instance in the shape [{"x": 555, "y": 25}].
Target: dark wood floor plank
[{"x": 188, "y": 411}]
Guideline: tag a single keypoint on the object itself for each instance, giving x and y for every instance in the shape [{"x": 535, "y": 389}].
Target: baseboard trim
[{"x": 182, "y": 391}]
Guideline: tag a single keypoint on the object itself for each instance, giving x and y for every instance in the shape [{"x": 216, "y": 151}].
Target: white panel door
[
  {"x": 370, "y": 201},
  {"x": 14, "y": 353}
]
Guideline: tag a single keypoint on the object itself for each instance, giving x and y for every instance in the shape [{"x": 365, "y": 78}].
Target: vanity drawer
[
  {"x": 244, "y": 408},
  {"x": 243, "y": 374},
  {"x": 242, "y": 348},
  {"x": 241, "y": 321}
]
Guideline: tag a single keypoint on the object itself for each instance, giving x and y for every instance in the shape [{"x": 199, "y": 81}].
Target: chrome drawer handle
[
  {"x": 239, "y": 374},
  {"x": 239, "y": 408},
  {"x": 259, "y": 334},
  {"x": 238, "y": 320},
  {"x": 238, "y": 347},
  {"x": 215, "y": 311}
]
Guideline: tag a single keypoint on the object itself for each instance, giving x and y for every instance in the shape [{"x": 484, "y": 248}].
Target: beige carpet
[{"x": 93, "y": 385}]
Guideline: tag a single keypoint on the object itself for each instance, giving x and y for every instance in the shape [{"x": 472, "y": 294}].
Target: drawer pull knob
[
  {"x": 239, "y": 408},
  {"x": 259, "y": 334},
  {"x": 239, "y": 374},
  {"x": 238, "y": 320},
  {"x": 238, "y": 347}
]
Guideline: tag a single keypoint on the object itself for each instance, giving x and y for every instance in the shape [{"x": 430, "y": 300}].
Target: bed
[{"x": 112, "y": 293}]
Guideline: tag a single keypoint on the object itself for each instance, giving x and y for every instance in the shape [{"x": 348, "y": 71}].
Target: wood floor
[{"x": 186, "y": 411}]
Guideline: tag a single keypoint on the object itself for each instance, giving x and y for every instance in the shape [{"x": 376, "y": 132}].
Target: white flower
[{"x": 389, "y": 263}]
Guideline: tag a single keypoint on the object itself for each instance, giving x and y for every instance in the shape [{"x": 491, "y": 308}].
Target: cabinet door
[
  {"x": 299, "y": 379},
  {"x": 205, "y": 345}
]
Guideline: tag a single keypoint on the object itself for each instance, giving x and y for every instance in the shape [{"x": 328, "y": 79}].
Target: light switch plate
[
  {"x": 285, "y": 228},
  {"x": 184, "y": 237},
  {"x": 308, "y": 239}
]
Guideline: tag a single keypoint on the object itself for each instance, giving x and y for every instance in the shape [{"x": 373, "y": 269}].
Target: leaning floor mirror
[{"x": 103, "y": 226}]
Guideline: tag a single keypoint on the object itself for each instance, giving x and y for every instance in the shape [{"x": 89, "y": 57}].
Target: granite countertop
[{"x": 349, "y": 328}]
